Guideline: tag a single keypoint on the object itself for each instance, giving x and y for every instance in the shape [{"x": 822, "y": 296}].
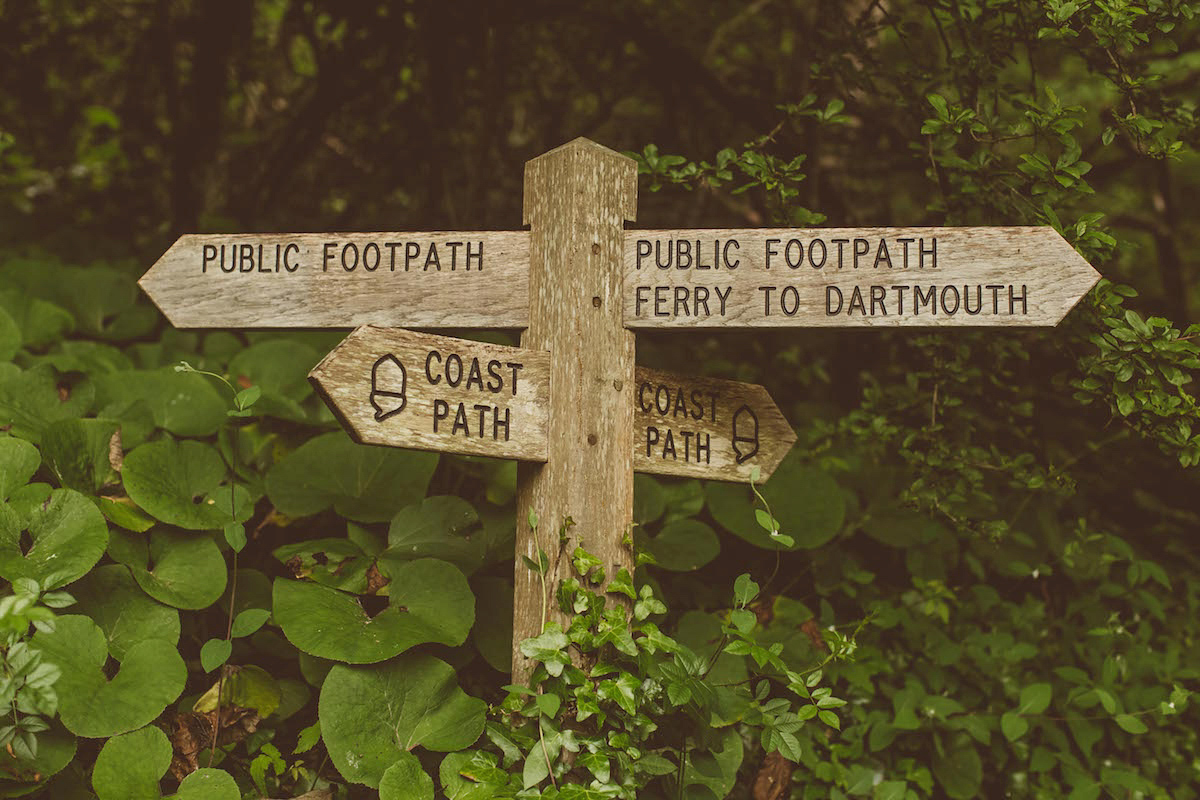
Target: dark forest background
[{"x": 997, "y": 529}]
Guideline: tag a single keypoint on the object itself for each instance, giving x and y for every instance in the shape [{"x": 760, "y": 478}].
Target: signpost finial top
[{"x": 544, "y": 174}]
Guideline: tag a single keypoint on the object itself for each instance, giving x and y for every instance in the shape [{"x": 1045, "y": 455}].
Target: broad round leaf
[
  {"x": 649, "y": 500},
  {"x": 684, "y": 545},
  {"x": 365, "y": 484},
  {"x": 492, "y": 632},
  {"x": 436, "y": 528},
  {"x": 716, "y": 771},
  {"x": 130, "y": 766},
  {"x": 243, "y": 687},
  {"x": 109, "y": 595},
  {"x": 10, "y": 336},
  {"x": 31, "y": 400},
  {"x": 335, "y": 562},
  {"x": 279, "y": 367},
  {"x": 208, "y": 784},
  {"x": 807, "y": 502},
  {"x": 40, "y": 322},
  {"x": 177, "y": 482},
  {"x": 430, "y": 601},
  {"x": 184, "y": 570},
  {"x": 405, "y": 780},
  {"x": 77, "y": 452},
  {"x": 69, "y": 535},
  {"x": 184, "y": 403},
  {"x": 18, "y": 461},
  {"x": 151, "y": 677},
  {"x": 370, "y": 716}
]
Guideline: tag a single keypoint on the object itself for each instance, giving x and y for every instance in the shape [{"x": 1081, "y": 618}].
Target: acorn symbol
[
  {"x": 388, "y": 383},
  {"x": 745, "y": 434}
]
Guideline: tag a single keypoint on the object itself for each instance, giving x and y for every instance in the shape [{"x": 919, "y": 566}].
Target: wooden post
[{"x": 577, "y": 198}]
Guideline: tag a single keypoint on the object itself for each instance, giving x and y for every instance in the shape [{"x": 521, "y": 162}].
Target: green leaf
[
  {"x": 890, "y": 790},
  {"x": 536, "y": 768},
  {"x": 808, "y": 503},
  {"x": 40, "y": 323},
  {"x": 19, "y": 460},
  {"x": 549, "y": 704},
  {"x": 55, "y": 750},
  {"x": 1130, "y": 723},
  {"x": 67, "y": 536},
  {"x": 744, "y": 590},
  {"x": 152, "y": 675},
  {"x": 77, "y": 451},
  {"x": 279, "y": 368},
  {"x": 246, "y": 687},
  {"x": 649, "y": 500},
  {"x": 683, "y": 546},
  {"x": 405, "y": 780},
  {"x": 438, "y": 527},
  {"x": 429, "y": 601},
  {"x": 548, "y": 648},
  {"x": 32, "y": 400},
  {"x": 370, "y": 716},
  {"x": 214, "y": 653},
  {"x": 235, "y": 536},
  {"x": 243, "y": 687},
  {"x": 183, "y": 570},
  {"x": 183, "y": 403},
  {"x": 365, "y": 484},
  {"x": 130, "y": 766},
  {"x": 1035, "y": 698},
  {"x": 743, "y": 619},
  {"x": 715, "y": 770},
  {"x": 959, "y": 770},
  {"x": 249, "y": 621},
  {"x": 10, "y": 336},
  {"x": 1013, "y": 725},
  {"x": 179, "y": 483},
  {"x": 125, "y": 515},
  {"x": 115, "y": 602},
  {"x": 335, "y": 562},
  {"x": 492, "y": 633},
  {"x": 208, "y": 784},
  {"x": 471, "y": 775}
]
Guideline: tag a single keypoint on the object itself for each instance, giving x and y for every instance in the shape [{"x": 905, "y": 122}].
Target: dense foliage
[{"x": 975, "y": 576}]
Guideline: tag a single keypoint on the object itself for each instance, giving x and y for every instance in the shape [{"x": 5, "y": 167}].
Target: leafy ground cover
[{"x": 975, "y": 576}]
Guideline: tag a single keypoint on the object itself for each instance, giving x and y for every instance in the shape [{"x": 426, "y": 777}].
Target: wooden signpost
[
  {"x": 706, "y": 428},
  {"x": 569, "y": 404},
  {"x": 400, "y": 388},
  {"x": 395, "y": 387},
  {"x": 342, "y": 280},
  {"x": 837, "y": 277}
]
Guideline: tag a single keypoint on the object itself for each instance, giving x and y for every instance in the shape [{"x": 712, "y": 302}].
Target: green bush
[{"x": 974, "y": 576}]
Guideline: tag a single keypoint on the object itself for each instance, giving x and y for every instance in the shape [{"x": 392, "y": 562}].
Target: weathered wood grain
[
  {"x": 459, "y": 279},
  {"x": 496, "y": 407},
  {"x": 577, "y": 198},
  {"x": 706, "y": 428},
  {"x": 965, "y": 277}
]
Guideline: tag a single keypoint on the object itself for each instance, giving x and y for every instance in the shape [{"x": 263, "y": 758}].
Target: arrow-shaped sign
[
  {"x": 405, "y": 389},
  {"x": 831, "y": 277},
  {"x": 815, "y": 277},
  {"x": 426, "y": 392},
  {"x": 706, "y": 428},
  {"x": 461, "y": 279}
]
